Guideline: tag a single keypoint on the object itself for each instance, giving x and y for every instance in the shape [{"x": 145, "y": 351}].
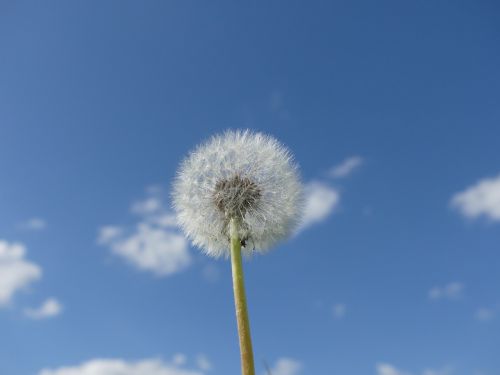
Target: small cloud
[
  {"x": 153, "y": 249},
  {"x": 35, "y": 224},
  {"x": 481, "y": 199},
  {"x": 179, "y": 359},
  {"x": 108, "y": 234},
  {"x": 339, "y": 310},
  {"x": 345, "y": 168},
  {"x": 16, "y": 273},
  {"x": 320, "y": 201},
  {"x": 154, "y": 189},
  {"x": 484, "y": 314},
  {"x": 451, "y": 291},
  {"x": 165, "y": 220},
  {"x": 155, "y": 244},
  {"x": 147, "y": 206},
  {"x": 50, "y": 308},
  {"x": 123, "y": 367},
  {"x": 286, "y": 366},
  {"x": 203, "y": 363},
  {"x": 388, "y": 369},
  {"x": 447, "y": 370}
]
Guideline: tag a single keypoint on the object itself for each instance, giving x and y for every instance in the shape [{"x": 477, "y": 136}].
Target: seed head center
[{"x": 236, "y": 195}]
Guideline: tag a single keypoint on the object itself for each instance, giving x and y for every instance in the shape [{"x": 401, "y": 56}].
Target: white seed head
[{"x": 241, "y": 175}]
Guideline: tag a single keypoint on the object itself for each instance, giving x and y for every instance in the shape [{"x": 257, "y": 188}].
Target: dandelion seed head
[{"x": 243, "y": 175}]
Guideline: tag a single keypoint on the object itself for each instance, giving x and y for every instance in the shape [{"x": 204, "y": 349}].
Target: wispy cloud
[
  {"x": 481, "y": 199},
  {"x": 108, "y": 234},
  {"x": 447, "y": 370},
  {"x": 155, "y": 244},
  {"x": 339, "y": 310},
  {"x": 320, "y": 202},
  {"x": 286, "y": 366},
  {"x": 34, "y": 223},
  {"x": 485, "y": 314},
  {"x": 179, "y": 359},
  {"x": 203, "y": 363},
  {"x": 450, "y": 291},
  {"x": 48, "y": 309},
  {"x": 345, "y": 168},
  {"x": 389, "y": 369},
  {"x": 147, "y": 206},
  {"x": 16, "y": 273},
  {"x": 123, "y": 367}
]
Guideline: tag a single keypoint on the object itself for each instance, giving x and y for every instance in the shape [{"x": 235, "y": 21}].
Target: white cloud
[
  {"x": 203, "y": 363},
  {"x": 481, "y": 199},
  {"x": 447, "y": 370},
  {"x": 388, "y": 369},
  {"x": 179, "y": 359},
  {"x": 147, "y": 206},
  {"x": 320, "y": 201},
  {"x": 50, "y": 308},
  {"x": 122, "y": 367},
  {"x": 35, "y": 223},
  {"x": 154, "y": 189},
  {"x": 451, "y": 291},
  {"x": 286, "y": 366},
  {"x": 155, "y": 244},
  {"x": 165, "y": 220},
  {"x": 108, "y": 234},
  {"x": 345, "y": 168},
  {"x": 339, "y": 310},
  {"x": 150, "y": 248},
  {"x": 16, "y": 273},
  {"x": 484, "y": 314}
]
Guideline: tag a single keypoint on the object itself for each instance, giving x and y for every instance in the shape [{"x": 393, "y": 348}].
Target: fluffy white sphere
[{"x": 243, "y": 175}]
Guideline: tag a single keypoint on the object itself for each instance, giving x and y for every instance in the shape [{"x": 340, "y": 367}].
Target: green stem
[{"x": 240, "y": 302}]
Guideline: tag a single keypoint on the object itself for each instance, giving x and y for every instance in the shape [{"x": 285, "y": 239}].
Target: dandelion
[{"x": 238, "y": 190}]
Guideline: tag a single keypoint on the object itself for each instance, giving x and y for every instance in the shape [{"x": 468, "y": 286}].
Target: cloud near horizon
[
  {"x": 389, "y": 369},
  {"x": 286, "y": 366},
  {"x": 151, "y": 366}
]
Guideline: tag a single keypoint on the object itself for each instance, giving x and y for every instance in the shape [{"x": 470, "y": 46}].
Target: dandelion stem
[{"x": 240, "y": 302}]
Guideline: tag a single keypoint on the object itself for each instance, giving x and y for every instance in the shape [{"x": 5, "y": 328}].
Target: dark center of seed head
[{"x": 234, "y": 196}]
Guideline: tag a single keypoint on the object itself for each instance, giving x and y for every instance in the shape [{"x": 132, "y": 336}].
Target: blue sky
[{"x": 391, "y": 110}]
